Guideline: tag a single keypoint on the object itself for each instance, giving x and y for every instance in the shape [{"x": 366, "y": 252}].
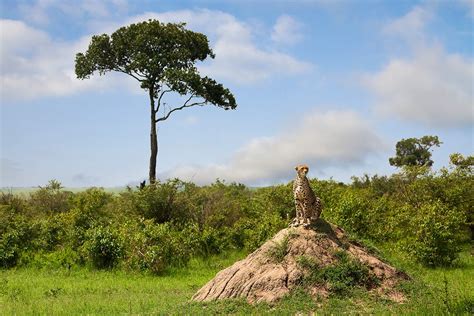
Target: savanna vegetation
[{"x": 147, "y": 250}]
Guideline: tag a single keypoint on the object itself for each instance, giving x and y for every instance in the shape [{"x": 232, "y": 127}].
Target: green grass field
[{"x": 83, "y": 291}]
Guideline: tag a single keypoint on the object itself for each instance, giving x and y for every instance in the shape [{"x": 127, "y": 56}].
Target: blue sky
[{"x": 334, "y": 84}]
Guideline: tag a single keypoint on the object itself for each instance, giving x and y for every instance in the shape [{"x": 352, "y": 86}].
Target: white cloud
[
  {"x": 33, "y": 64},
  {"x": 434, "y": 88},
  {"x": 411, "y": 26},
  {"x": 323, "y": 140},
  {"x": 431, "y": 87},
  {"x": 286, "y": 30},
  {"x": 238, "y": 57}
]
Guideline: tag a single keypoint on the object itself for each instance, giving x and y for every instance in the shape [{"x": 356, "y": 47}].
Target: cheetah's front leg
[
  {"x": 299, "y": 212},
  {"x": 306, "y": 214}
]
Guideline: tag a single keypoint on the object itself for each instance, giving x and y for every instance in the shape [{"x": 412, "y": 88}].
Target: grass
[
  {"x": 343, "y": 276},
  {"x": 30, "y": 291},
  {"x": 278, "y": 250}
]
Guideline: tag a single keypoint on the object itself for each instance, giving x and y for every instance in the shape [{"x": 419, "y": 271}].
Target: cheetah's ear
[{"x": 296, "y": 168}]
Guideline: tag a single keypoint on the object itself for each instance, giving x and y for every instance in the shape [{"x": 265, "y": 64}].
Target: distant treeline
[{"x": 425, "y": 214}]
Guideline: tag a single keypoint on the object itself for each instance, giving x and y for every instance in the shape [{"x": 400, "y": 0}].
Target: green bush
[
  {"x": 50, "y": 199},
  {"x": 156, "y": 247},
  {"x": 224, "y": 205},
  {"x": 276, "y": 199},
  {"x": 214, "y": 241},
  {"x": 340, "y": 276},
  {"x": 60, "y": 258},
  {"x": 89, "y": 210},
  {"x": 103, "y": 247},
  {"x": 15, "y": 239},
  {"x": 50, "y": 232},
  {"x": 92, "y": 204},
  {"x": 11, "y": 204},
  {"x": 352, "y": 212},
  {"x": 260, "y": 229},
  {"x": 330, "y": 193},
  {"x": 158, "y": 201},
  {"x": 162, "y": 225},
  {"x": 346, "y": 274},
  {"x": 436, "y": 234}
]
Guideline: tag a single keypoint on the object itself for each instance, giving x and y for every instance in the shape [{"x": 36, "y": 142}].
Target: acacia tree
[
  {"x": 414, "y": 151},
  {"x": 161, "y": 57}
]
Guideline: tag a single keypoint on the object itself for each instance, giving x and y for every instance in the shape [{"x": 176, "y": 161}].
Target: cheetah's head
[{"x": 301, "y": 170}]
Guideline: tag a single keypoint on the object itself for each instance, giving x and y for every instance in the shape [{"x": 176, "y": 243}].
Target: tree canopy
[
  {"x": 162, "y": 57},
  {"x": 414, "y": 151},
  {"x": 159, "y": 56},
  {"x": 462, "y": 163}
]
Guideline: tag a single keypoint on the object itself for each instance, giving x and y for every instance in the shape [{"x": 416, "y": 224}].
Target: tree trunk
[{"x": 153, "y": 139}]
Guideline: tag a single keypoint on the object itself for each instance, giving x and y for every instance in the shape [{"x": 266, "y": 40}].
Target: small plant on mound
[
  {"x": 346, "y": 274},
  {"x": 278, "y": 250},
  {"x": 312, "y": 269},
  {"x": 307, "y": 263},
  {"x": 340, "y": 277}
]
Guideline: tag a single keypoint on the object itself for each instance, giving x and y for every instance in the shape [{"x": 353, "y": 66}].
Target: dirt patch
[{"x": 290, "y": 258}]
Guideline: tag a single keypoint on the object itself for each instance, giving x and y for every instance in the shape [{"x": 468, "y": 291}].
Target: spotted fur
[{"x": 308, "y": 205}]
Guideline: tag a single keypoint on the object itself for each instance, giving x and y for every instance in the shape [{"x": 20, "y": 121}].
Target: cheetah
[{"x": 308, "y": 205}]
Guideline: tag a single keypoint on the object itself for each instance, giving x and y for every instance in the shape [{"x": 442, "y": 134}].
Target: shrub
[
  {"x": 437, "y": 234},
  {"x": 61, "y": 258},
  {"x": 91, "y": 203},
  {"x": 214, "y": 241},
  {"x": 89, "y": 210},
  {"x": 341, "y": 276},
  {"x": 276, "y": 199},
  {"x": 50, "y": 232},
  {"x": 173, "y": 200},
  {"x": 352, "y": 212},
  {"x": 330, "y": 193},
  {"x": 346, "y": 274},
  {"x": 156, "y": 247},
  {"x": 50, "y": 199},
  {"x": 11, "y": 204},
  {"x": 103, "y": 247},
  {"x": 224, "y": 205},
  {"x": 278, "y": 250},
  {"x": 258, "y": 230},
  {"x": 15, "y": 239},
  {"x": 428, "y": 214}
]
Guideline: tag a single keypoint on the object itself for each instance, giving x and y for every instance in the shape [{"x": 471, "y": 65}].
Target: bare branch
[
  {"x": 185, "y": 105},
  {"x": 159, "y": 99},
  {"x": 130, "y": 74},
  {"x": 141, "y": 74}
]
